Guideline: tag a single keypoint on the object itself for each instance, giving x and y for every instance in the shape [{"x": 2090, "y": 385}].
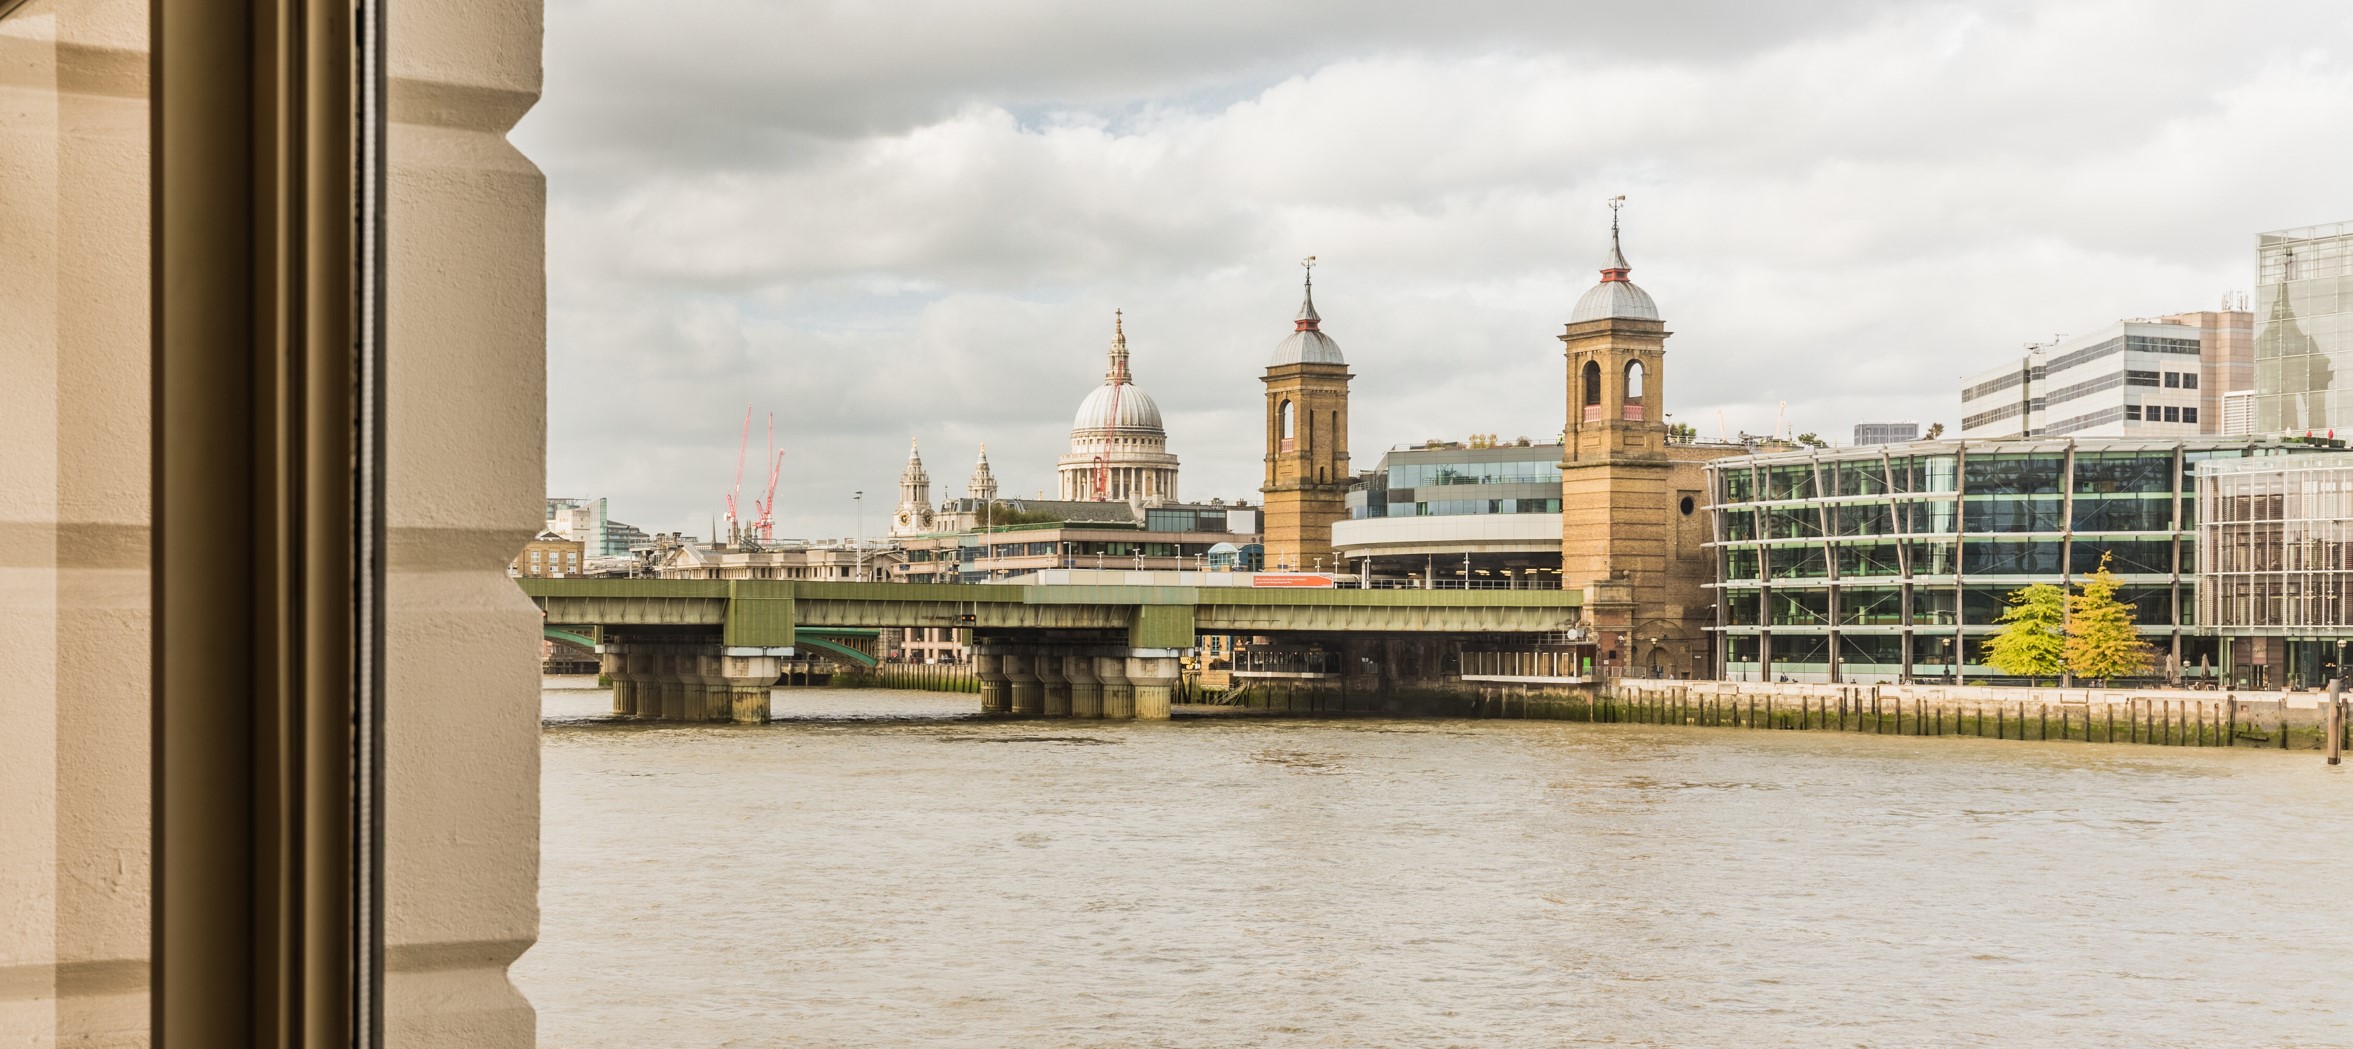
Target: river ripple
[{"x": 882, "y": 869}]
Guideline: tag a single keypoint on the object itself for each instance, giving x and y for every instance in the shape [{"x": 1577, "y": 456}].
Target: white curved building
[{"x": 1122, "y": 457}]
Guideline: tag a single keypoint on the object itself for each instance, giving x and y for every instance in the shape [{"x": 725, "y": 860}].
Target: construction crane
[
  {"x": 1103, "y": 443},
  {"x": 764, "y": 523},
  {"x": 732, "y": 493}
]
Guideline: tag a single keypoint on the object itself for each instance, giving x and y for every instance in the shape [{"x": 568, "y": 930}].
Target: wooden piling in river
[{"x": 2336, "y": 721}]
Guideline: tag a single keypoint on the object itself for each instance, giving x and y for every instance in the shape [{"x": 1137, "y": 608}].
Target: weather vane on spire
[
  {"x": 1616, "y": 269},
  {"x": 1308, "y": 264}
]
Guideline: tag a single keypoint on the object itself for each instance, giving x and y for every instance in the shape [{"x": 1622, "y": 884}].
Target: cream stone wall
[
  {"x": 467, "y": 379},
  {"x": 74, "y": 513},
  {"x": 467, "y": 443}
]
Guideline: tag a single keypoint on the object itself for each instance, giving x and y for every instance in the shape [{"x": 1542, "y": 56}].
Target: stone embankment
[
  {"x": 2169, "y": 717},
  {"x": 2165, "y": 717},
  {"x": 2276, "y": 720}
]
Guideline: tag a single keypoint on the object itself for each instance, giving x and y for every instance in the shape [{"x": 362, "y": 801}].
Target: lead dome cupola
[
  {"x": 1137, "y": 411},
  {"x": 1616, "y": 297},
  {"x": 1307, "y": 343}
]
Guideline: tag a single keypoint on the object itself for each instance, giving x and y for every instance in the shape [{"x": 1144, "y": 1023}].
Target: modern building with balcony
[
  {"x": 1893, "y": 562},
  {"x": 1455, "y": 514}
]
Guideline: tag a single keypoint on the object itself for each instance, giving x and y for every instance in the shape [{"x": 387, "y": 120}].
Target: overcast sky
[{"x": 884, "y": 221}]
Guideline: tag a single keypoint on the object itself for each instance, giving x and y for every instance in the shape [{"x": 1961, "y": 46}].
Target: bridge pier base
[
  {"x": 613, "y": 659},
  {"x": 988, "y": 665},
  {"x": 1152, "y": 675},
  {"x": 1021, "y": 669},
  {"x": 669, "y": 685},
  {"x": 1053, "y": 683},
  {"x": 706, "y": 691},
  {"x": 1086, "y": 689},
  {"x": 1119, "y": 701},
  {"x": 748, "y": 674}
]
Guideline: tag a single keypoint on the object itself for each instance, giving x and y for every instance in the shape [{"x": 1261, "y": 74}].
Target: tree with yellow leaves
[
  {"x": 2101, "y": 642},
  {"x": 2030, "y": 644}
]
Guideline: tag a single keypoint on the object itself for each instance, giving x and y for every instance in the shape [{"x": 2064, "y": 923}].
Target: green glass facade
[{"x": 1890, "y": 563}]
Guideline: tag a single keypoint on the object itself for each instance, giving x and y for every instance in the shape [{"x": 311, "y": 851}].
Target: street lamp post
[{"x": 857, "y": 546}]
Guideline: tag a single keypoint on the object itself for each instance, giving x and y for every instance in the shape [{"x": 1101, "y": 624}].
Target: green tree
[
  {"x": 2101, "y": 641},
  {"x": 2031, "y": 644}
]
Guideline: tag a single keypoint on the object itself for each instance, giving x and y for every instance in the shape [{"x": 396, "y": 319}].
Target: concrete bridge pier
[
  {"x": 1021, "y": 669},
  {"x": 996, "y": 690},
  {"x": 1053, "y": 682},
  {"x": 1086, "y": 689},
  {"x": 749, "y": 673},
  {"x": 1119, "y": 700},
  {"x": 1152, "y": 676},
  {"x": 706, "y": 690},
  {"x": 669, "y": 684},
  {"x": 613, "y": 660}
]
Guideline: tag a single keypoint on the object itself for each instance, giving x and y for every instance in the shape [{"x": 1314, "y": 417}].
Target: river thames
[{"x": 883, "y": 868}]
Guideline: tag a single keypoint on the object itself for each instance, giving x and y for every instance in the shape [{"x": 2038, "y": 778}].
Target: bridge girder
[{"x": 767, "y": 612}]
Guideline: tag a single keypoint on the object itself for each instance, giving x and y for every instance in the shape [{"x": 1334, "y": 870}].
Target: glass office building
[
  {"x": 1473, "y": 514},
  {"x": 1892, "y": 562},
  {"x": 2304, "y": 329},
  {"x": 2275, "y": 564},
  {"x": 1450, "y": 479}
]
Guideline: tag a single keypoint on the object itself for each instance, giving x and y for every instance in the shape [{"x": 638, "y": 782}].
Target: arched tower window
[
  {"x": 1592, "y": 384},
  {"x": 1286, "y": 424},
  {"x": 1633, "y": 381}
]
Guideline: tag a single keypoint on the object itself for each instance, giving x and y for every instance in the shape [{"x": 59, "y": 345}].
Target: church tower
[
  {"x": 1306, "y": 487},
  {"x": 983, "y": 484},
  {"x": 913, "y": 516},
  {"x": 1631, "y": 535}
]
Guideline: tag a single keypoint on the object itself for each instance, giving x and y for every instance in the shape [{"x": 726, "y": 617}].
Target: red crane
[
  {"x": 764, "y": 525},
  {"x": 732, "y": 493}
]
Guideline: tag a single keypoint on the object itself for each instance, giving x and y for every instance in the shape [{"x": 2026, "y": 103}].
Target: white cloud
[{"x": 920, "y": 226}]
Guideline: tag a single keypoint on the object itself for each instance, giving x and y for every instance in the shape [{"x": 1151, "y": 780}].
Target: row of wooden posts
[
  {"x": 922, "y": 677},
  {"x": 2165, "y": 722}
]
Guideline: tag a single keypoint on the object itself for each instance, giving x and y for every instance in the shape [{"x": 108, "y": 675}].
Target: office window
[
  {"x": 2172, "y": 414},
  {"x": 2189, "y": 415},
  {"x": 2132, "y": 413},
  {"x": 2172, "y": 380},
  {"x": 2189, "y": 380},
  {"x": 2140, "y": 378}
]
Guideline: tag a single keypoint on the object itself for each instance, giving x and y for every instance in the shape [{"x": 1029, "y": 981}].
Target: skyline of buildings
[
  {"x": 2054, "y": 390},
  {"x": 1702, "y": 557}
]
